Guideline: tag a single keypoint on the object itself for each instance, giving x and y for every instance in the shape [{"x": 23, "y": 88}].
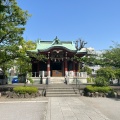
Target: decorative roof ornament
[
  {"x": 80, "y": 44},
  {"x": 38, "y": 41},
  {"x": 56, "y": 41}
]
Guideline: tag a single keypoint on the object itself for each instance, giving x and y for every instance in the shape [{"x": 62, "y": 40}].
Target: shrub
[
  {"x": 101, "y": 81},
  {"x": 89, "y": 88},
  {"x": 107, "y": 72},
  {"x": 92, "y": 89},
  {"x": 25, "y": 89},
  {"x": 30, "y": 79},
  {"x": 90, "y": 80}
]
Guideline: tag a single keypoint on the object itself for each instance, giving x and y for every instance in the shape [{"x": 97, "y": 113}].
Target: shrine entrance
[
  {"x": 56, "y": 69},
  {"x": 58, "y": 57}
]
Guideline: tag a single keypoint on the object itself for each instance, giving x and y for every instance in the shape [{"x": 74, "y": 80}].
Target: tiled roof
[{"x": 47, "y": 45}]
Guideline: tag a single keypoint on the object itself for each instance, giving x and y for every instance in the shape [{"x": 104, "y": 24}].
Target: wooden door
[{"x": 57, "y": 73}]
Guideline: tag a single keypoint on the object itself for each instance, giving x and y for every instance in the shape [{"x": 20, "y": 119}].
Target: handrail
[{"x": 77, "y": 83}]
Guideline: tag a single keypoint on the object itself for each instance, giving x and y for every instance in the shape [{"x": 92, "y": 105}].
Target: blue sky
[{"x": 95, "y": 21}]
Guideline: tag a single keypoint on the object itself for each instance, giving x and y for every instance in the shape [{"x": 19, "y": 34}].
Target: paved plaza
[
  {"x": 72, "y": 109},
  {"x": 60, "y": 108},
  {"x": 33, "y": 110}
]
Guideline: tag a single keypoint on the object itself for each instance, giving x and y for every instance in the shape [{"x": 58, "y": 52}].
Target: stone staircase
[
  {"x": 61, "y": 90},
  {"x": 57, "y": 80}
]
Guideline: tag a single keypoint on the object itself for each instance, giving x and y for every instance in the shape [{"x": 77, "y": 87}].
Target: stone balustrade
[{"x": 69, "y": 73}]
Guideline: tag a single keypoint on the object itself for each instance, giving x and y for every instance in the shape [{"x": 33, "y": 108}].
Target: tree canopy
[
  {"x": 12, "y": 21},
  {"x": 23, "y": 63},
  {"x": 111, "y": 57}
]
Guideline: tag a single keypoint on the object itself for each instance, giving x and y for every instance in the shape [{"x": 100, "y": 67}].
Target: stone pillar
[
  {"x": 66, "y": 69},
  {"x": 43, "y": 74},
  {"x": 48, "y": 67}
]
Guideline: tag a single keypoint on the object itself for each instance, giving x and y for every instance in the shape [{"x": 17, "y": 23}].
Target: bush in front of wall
[
  {"x": 101, "y": 81},
  {"x": 93, "y": 88},
  {"x": 97, "y": 91},
  {"x": 25, "y": 89},
  {"x": 24, "y": 92}
]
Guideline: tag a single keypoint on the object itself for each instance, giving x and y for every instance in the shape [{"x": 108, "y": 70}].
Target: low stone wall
[
  {"x": 71, "y": 80},
  {"x": 11, "y": 94},
  {"x": 37, "y": 80},
  {"x": 99, "y": 94}
]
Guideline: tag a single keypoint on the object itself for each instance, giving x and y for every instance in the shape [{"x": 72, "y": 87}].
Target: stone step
[
  {"x": 60, "y": 86},
  {"x": 61, "y": 91},
  {"x": 57, "y": 87},
  {"x": 62, "y": 95},
  {"x": 57, "y": 80}
]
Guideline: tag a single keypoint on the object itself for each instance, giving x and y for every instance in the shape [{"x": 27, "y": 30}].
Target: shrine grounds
[{"x": 60, "y": 108}]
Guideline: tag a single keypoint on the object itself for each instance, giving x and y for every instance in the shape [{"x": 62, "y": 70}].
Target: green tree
[
  {"x": 117, "y": 75},
  {"x": 111, "y": 57},
  {"x": 12, "y": 21},
  {"x": 88, "y": 70},
  {"x": 101, "y": 81},
  {"x": 106, "y": 72},
  {"x": 23, "y": 62}
]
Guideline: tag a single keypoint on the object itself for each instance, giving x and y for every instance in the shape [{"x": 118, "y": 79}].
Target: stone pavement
[
  {"x": 72, "y": 108},
  {"x": 60, "y": 108},
  {"x": 110, "y": 107},
  {"x": 23, "y": 109}
]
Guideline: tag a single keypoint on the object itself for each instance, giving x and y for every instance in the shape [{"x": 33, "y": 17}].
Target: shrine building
[{"x": 60, "y": 58}]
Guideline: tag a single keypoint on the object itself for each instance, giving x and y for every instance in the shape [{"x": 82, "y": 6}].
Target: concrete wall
[{"x": 78, "y": 80}]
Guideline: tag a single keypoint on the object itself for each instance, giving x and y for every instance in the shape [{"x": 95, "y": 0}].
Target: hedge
[
  {"x": 93, "y": 89},
  {"x": 25, "y": 89}
]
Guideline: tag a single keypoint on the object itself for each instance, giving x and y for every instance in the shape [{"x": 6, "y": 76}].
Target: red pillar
[
  {"x": 66, "y": 69},
  {"x": 48, "y": 67}
]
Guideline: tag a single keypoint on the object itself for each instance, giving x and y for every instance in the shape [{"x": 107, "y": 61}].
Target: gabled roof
[
  {"x": 56, "y": 43},
  {"x": 47, "y": 45}
]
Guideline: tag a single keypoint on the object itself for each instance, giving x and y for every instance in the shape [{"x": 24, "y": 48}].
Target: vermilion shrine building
[{"x": 60, "y": 62}]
